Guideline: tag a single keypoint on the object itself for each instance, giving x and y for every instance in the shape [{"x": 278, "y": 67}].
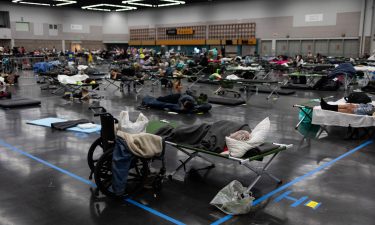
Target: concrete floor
[{"x": 34, "y": 193}]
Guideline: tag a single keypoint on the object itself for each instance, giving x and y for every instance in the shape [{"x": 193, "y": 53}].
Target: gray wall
[{"x": 274, "y": 19}]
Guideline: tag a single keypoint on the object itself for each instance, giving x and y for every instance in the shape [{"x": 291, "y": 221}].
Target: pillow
[{"x": 258, "y": 137}]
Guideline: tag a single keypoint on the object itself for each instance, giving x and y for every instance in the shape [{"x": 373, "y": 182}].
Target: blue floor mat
[{"x": 46, "y": 122}]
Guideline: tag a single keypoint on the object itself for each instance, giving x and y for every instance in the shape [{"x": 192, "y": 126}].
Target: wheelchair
[{"x": 99, "y": 159}]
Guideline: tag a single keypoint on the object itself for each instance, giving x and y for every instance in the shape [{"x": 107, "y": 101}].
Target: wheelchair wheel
[
  {"x": 95, "y": 152},
  {"x": 103, "y": 175}
]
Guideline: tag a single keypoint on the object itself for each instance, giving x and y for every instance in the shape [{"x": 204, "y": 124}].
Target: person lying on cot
[{"x": 357, "y": 109}]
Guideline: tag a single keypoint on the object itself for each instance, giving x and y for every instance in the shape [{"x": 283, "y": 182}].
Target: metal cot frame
[{"x": 192, "y": 153}]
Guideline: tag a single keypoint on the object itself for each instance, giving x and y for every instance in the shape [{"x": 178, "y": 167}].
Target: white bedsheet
[
  {"x": 64, "y": 79},
  {"x": 331, "y": 118},
  {"x": 365, "y": 68}
]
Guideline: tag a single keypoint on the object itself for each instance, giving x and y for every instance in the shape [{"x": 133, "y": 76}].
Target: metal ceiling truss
[{"x": 125, "y": 6}]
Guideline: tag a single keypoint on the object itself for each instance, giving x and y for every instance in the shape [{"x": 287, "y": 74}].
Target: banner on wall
[
  {"x": 76, "y": 27},
  {"x": 314, "y": 18}
]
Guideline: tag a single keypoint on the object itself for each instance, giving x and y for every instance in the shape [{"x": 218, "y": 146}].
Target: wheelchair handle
[{"x": 95, "y": 111}]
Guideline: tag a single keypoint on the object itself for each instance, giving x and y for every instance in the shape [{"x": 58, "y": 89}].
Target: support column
[
  {"x": 12, "y": 43},
  {"x": 273, "y": 47},
  {"x": 63, "y": 45},
  {"x": 373, "y": 28},
  {"x": 366, "y": 27}
]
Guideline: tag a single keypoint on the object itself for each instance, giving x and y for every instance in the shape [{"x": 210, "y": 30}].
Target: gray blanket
[{"x": 206, "y": 136}]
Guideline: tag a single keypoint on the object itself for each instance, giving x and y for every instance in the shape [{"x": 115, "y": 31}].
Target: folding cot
[
  {"x": 75, "y": 84},
  {"x": 120, "y": 84},
  {"x": 310, "y": 78},
  {"x": 324, "y": 118},
  {"x": 267, "y": 149},
  {"x": 272, "y": 86}
]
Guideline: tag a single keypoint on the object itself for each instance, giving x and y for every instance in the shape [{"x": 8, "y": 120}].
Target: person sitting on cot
[
  {"x": 115, "y": 74},
  {"x": 357, "y": 109}
]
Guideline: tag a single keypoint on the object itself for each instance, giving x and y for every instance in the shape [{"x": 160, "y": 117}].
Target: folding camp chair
[{"x": 306, "y": 115}]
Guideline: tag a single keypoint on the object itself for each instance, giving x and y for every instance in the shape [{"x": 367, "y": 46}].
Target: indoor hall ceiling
[{"x": 113, "y": 5}]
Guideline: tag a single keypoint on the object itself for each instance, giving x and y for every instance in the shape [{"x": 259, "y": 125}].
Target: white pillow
[{"x": 258, "y": 137}]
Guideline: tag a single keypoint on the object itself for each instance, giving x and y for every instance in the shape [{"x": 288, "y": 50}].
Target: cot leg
[
  {"x": 299, "y": 123},
  {"x": 183, "y": 163},
  {"x": 322, "y": 128},
  {"x": 109, "y": 83},
  {"x": 261, "y": 172},
  {"x": 272, "y": 92}
]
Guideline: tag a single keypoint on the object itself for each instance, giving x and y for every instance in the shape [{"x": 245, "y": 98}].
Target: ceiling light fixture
[
  {"x": 136, "y": 2},
  {"x": 168, "y": 3},
  {"x": 171, "y": 3},
  {"x": 31, "y": 3},
  {"x": 99, "y": 7},
  {"x": 65, "y": 2},
  {"x": 59, "y": 2}
]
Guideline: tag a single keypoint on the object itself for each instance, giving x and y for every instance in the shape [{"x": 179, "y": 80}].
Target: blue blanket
[
  {"x": 342, "y": 69},
  {"x": 42, "y": 67},
  {"x": 46, "y": 122}
]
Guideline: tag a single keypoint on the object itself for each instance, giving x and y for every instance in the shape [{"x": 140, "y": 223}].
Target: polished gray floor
[{"x": 34, "y": 193}]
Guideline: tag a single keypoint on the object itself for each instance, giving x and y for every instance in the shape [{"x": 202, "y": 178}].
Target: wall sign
[
  {"x": 184, "y": 31},
  {"x": 314, "y": 18},
  {"x": 172, "y": 31},
  {"x": 76, "y": 27},
  {"x": 179, "y": 31}
]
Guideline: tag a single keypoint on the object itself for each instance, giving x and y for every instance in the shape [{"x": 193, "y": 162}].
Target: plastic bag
[
  {"x": 258, "y": 137},
  {"x": 127, "y": 126},
  {"x": 233, "y": 199}
]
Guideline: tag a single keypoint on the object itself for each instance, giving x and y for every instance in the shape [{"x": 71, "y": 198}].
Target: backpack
[{"x": 358, "y": 98}]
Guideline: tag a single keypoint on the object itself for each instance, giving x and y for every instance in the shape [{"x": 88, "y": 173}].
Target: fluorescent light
[
  {"x": 135, "y": 2},
  {"x": 171, "y": 3},
  {"x": 97, "y": 7},
  {"x": 65, "y": 2},
  {"x": 174, "y": 1},
  {"x": 168, "y": 3},
  {"x": 34, "y": 3}
]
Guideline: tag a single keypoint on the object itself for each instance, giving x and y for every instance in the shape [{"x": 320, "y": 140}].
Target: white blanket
[
  {"x": 64, "y": 79},
  {"x": 365, "y": 68},
  {"x": 331, "y": 118}
]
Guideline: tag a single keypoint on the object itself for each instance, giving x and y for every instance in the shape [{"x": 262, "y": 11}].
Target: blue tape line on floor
[
  {"x": 148, "y": 209},
  {"x": 298, "y": 179},
  {"x": 15, "y": 149},
  {"x": 154, "y": 212}
]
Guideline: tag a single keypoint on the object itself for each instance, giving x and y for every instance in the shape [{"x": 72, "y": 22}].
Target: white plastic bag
[
  {"x": 128, "y": 126},
  {"x": 258, "y": 137},
  {"x": 233, "y": 199}
]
